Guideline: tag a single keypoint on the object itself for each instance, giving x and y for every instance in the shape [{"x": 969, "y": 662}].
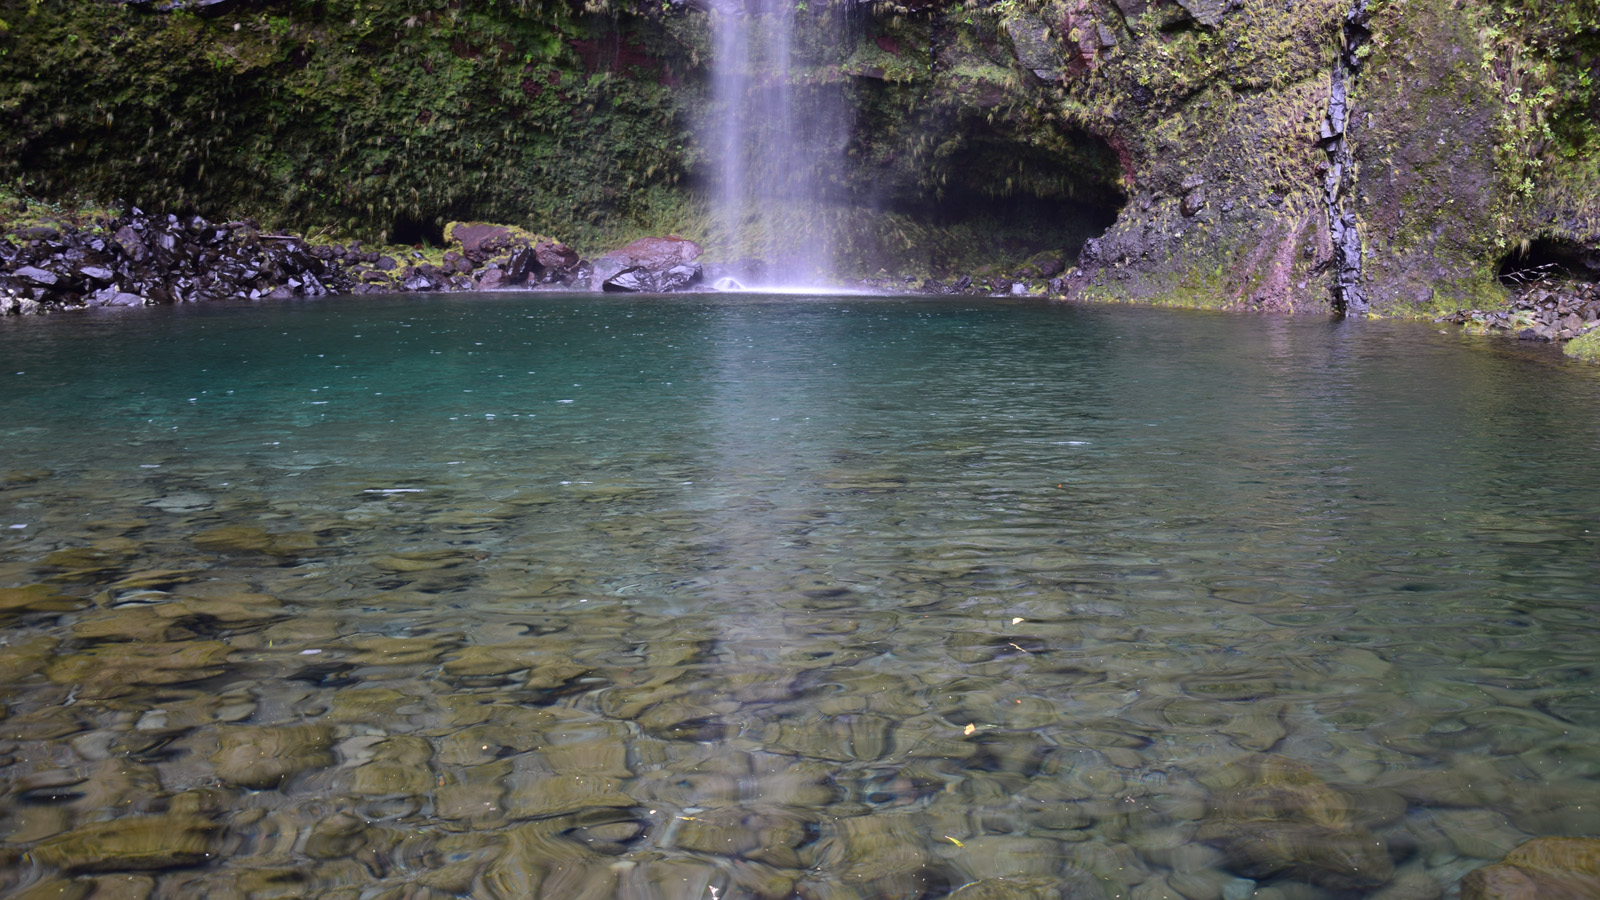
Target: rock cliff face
[
  {"x": 1272, "y": 154},
  {"x": 1330, "y": 153}
]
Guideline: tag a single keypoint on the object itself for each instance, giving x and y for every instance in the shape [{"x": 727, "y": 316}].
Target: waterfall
[{"x": 777, "y": 133}]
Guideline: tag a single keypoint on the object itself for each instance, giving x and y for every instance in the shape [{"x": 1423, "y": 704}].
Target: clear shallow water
[{"x": 739, "y": 597}]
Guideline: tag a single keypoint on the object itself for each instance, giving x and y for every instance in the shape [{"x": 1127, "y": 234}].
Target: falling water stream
[{"x": 778, "y": 124}]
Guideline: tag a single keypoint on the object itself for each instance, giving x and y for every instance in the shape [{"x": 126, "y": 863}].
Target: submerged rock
[
  {"x": 35, "y": 598},
  {"x": 262, "y": 757},
  {"x": 117, "y": 669},
  {"x": 399, "y": 767},
  {"x": 1009, "y": 889},
  {"x": 249, "y": 539},
  {"x": 134, "y": 843},
  {"x": 1547, "y": 868},
  {"x": 1282, "y": 820}
]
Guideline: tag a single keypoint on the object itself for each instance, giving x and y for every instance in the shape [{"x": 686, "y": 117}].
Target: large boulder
[
  {"x": 637, "y": 279},
  {"x": 480, "y": 237},
  {"x": 659, "y": 253},
  {"x": 554, "y": 255},
  {"x": 543, "y": 262},
  {"x": 492, "y": 278},
  {"x": 649, "y": 265}
]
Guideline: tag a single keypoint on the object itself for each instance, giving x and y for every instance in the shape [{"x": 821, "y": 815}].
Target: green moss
[
  {"x": 19, "y": 210},
  {"x": 354, "y": 114},
  {"x": 516, "y": 233},
  {"x": 1198, "y": 288},
  {"x": 1585, "y": 346}
]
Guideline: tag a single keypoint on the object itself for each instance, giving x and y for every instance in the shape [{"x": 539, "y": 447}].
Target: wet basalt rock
[
  {"x": 1541, "y": 311},
  {"x": 150, "y": 260},
  {"x": 499, "y": 256},
  {"x": 153, "y": 260},
  {"x": 652, "y": 265}
]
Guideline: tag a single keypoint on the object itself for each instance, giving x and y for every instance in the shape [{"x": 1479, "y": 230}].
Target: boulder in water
[
  {"x": 1281, "y": 820},
  {"x": 1547, "y": 868},
  {"x": 650, "y": 265},
  {"x": 680, "y": 277},
  {"x": 637, "y": 279},
  {"x": 604, "y": 269}
]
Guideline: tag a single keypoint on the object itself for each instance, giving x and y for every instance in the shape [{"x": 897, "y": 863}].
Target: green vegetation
[
  {"x": 364, "y": 116},
  {"x": 1541, "y": 55},
  {"x": 1585, "y": 346},
  {"x": 20, "y": 211}
]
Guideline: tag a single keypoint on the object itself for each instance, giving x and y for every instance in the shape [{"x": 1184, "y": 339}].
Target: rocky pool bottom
[{"x": 727, "y": 596}]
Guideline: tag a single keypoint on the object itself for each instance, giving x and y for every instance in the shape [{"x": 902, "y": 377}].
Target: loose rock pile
[
  {"x": 491, "y": 257},
  {"x": 1541, "y": 311},
  {"x": 143, "y": 259},
  {"x": 967, "y": 285},
  {"x": 161, "y": 259}
]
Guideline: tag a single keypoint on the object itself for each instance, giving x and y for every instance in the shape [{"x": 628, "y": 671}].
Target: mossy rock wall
[
  {"x": 363, "y": 117},
  {"x": 1473, "y": 124},
  {"x": 1476, "y": 132}
]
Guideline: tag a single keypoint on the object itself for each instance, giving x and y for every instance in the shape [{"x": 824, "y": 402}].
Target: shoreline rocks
[
  {"x": 142, "y": 259},
  {"x": 152, "y": 260},
  {"x": 1544, "y": 310}
]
